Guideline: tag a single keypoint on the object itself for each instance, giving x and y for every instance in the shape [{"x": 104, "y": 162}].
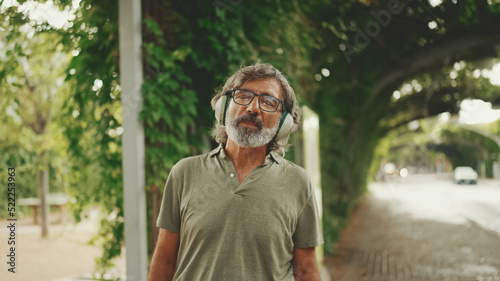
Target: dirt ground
[{"x": 65, "y": 255}]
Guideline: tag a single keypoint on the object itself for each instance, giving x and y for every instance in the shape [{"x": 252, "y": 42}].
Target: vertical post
[
  {"x": 44, "y": 191},
  {"x": 311, "y": 159},
  {"x": 133, "y": 140}
]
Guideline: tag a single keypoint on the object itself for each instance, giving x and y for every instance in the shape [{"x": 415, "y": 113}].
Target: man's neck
[{"x": 245, "y": 157}]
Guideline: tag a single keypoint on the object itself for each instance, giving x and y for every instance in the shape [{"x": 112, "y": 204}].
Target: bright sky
[
  {"x": 434, "y": 3},
  {"x": 477, "y": 111},
  {"x": 495, "y": 74},
  {"x": 45, "y": 12}
]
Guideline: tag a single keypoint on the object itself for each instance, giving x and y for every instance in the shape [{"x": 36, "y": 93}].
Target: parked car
[{"x": 464, "y": 175}]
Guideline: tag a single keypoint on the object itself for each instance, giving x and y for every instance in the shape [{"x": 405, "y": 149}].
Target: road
[
  {"x": 422, "y": 227},
  {"x": 435, "y": 197}
]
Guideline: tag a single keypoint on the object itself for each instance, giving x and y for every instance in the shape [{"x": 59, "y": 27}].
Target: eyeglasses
[{"x": 245, "y": 97}]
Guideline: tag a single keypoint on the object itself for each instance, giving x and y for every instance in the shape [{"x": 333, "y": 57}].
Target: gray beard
[{"x": 248, "y": 137}]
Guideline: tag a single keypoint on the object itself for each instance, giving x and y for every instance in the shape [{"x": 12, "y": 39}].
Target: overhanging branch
[{"x": 476, "y": 44}]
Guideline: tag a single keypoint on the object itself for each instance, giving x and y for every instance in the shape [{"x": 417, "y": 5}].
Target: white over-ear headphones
[
  {"x": 220, "y": 109},
  {"x": 284, "y": 127}
]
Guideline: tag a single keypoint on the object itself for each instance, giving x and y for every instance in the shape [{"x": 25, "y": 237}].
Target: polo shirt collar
[
  {"x": 273, "y": 156},
  {"x": 216, "y": 151}
]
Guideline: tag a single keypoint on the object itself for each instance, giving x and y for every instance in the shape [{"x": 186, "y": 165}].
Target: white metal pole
[{"x": 133, "y": 140}]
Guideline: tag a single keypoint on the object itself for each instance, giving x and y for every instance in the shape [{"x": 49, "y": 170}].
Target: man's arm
[
  {"x": 164, "y": 259},
  {"x": 305, "y": 267}
]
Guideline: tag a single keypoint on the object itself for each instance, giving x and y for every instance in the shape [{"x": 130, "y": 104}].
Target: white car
[{"x": 464, "y": 175}]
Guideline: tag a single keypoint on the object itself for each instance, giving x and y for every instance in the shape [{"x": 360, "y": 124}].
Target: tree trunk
[
  {"x": 347, "y": 152},
  {"x": 44, "y": 190},
  {"x": 155, "y": 209}
]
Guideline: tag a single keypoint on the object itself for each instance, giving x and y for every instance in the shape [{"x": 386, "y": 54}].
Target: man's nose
[{"x": 253, "y": 107}]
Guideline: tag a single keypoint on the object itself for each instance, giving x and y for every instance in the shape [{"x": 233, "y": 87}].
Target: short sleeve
[
  {"x": 308, "y": 231},
  {"x": 169, "y": 217}
]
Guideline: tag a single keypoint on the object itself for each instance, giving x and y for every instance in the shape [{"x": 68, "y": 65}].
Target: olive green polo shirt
[{"x": 232, "y": 231}]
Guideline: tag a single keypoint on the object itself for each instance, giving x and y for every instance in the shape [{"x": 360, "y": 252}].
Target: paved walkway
[{"x": 381, "y": 245}]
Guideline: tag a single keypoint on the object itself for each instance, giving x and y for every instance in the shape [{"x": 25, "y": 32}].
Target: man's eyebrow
[
  {"x": 264, "y": 93},
  {"x": 268, "y": 94}
]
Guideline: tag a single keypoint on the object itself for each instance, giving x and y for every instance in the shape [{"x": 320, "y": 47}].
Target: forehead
[{"x": 268, "y": 86}]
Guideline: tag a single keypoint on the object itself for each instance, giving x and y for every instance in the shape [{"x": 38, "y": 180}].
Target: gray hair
[{"x": 253, "y": 72}]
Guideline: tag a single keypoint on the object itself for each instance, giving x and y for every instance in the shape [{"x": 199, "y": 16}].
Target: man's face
[{"x": 249, "y": 125}]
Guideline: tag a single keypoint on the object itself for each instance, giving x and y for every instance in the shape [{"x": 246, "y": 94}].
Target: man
[{"x": 241, "y": 212}]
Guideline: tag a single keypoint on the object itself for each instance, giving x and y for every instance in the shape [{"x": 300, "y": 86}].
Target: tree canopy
[{"x": 32, "y": 89}]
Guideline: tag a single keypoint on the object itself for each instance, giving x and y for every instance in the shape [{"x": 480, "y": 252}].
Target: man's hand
[
  {"x": 164, "y": 259},
  {"x": 305, "y": 267}
]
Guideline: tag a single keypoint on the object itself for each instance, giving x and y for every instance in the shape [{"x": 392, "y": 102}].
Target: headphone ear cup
[
  {"x": 220, "y": 109},
  {"x": 286, "y": 127}
]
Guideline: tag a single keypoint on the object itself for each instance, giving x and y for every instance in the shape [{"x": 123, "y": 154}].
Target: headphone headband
[{"x": 228, "y": 99}]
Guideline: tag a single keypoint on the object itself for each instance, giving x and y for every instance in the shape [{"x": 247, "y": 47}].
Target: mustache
[{"x": 249, "y": 118}]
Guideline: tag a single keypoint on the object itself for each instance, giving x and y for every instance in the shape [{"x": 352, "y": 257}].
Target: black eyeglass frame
[{"x": 232, "y": 92}]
